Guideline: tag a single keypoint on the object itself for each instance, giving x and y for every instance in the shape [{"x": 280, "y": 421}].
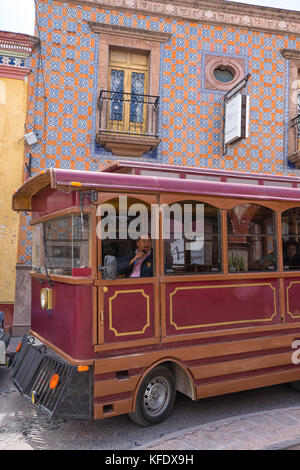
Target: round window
[{"x": 224, "y": 74}]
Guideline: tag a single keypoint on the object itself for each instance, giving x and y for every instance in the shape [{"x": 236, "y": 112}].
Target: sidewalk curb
[
  {"x": 210, "y": 427},
  {"x": 284, "y": 444}
]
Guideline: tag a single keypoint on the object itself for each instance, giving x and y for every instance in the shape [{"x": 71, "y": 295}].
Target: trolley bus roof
[
  {"x": 193, "y": 172},
  {"x": 283, "y": 189}
]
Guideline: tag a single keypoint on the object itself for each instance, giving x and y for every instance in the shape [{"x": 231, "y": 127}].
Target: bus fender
[{"x": 183, "y": 378}]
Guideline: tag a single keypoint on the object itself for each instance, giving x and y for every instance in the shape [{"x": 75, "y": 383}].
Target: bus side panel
[
  {"x": 252, "y": 381},
  {"x": 292, "y": 299},
  {"x": 68, "y": 326},
  {"x": 128, "y": 312},
  {"x": 114, "y": 391},
  {"x": 216, "y": 305},
  {"x": 220, "y": 366}
]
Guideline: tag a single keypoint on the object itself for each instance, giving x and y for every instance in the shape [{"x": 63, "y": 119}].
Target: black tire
[
  {"x": 295, "y": 385},
  {"x": 155, "y": 397}
]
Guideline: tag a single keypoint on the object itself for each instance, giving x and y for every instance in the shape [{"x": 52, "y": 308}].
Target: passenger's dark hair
[{"x": 291, "y": 242}]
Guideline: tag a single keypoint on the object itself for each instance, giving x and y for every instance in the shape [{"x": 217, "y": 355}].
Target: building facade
[
  {"x": 15, "y": 50},
  {"x": 146, "y": 80}
]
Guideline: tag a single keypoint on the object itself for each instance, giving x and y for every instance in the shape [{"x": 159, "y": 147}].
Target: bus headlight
[{"x": 46, "y": 298}]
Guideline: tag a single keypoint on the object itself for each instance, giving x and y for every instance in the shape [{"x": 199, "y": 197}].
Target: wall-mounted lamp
[{"x": 30, "y": 138}]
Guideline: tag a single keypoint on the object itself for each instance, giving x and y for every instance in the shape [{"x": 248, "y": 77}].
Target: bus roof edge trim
[
  {"x": 21, "y": 200},
  {"x": 64, "y": 179}
]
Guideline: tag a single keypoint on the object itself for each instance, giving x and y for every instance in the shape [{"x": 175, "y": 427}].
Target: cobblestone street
[
  {"x": 23, "y": 427},
  {"x": 20, "y": 426}
]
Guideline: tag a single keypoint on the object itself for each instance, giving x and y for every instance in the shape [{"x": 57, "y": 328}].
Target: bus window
[
  {"x": 62, "y": 246},
  {"x": 125, "y": 234},
  {"x": 291, "y": 238},
  {"x": 192, "y": 238},
  {"x": 251, "y": 239}
]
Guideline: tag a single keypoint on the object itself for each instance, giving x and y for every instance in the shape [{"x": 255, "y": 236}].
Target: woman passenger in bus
[
  {"x": 139, "y": 262},
  {"x": 291, "y": 259}
]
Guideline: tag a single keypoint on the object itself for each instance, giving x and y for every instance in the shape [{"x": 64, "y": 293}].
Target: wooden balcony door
[{"x": 128, "y": 83}]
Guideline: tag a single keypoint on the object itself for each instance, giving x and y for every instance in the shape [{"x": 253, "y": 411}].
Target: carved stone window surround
[
  {"x": 129, "y": 38},
  {"x": 236, "y": 65},
  {"x": 294, "y": 67}
]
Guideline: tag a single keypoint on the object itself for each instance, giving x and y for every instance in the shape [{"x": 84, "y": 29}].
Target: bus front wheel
[{"x": 155, "y": 397}]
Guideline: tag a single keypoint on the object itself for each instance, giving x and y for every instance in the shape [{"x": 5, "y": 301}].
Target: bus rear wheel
[{"x": 155, "y": 397}]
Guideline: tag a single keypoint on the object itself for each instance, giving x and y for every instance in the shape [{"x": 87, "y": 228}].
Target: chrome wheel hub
[{"x": 156, "y": 397}]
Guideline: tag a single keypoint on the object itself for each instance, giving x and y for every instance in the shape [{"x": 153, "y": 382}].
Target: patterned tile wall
[{"x": 63, "y": 94}]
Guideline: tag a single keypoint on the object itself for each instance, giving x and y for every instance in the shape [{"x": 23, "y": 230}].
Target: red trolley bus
[{"x": 119, "y": 323}]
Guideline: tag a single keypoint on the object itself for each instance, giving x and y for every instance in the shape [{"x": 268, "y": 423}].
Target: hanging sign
[
  {"x": 236, "y": 114},
  {"x": 236, "y": 118}
]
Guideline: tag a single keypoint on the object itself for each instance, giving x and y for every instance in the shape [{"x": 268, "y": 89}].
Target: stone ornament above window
[{"x": 222, "y": 73}]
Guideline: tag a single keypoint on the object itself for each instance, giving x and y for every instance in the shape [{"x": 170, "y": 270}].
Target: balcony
[
  {"x": 294, "y": 153},
  {"x": 128, "y": 123}
]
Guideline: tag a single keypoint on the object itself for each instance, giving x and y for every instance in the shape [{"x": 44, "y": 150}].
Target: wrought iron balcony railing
[
  {"x": 128, "y": 113},
  {"x": 295, "y": 124}
]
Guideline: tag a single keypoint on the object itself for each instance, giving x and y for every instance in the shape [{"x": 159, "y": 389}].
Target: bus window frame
[
  {"x": 192, "y": 199},
  {"x": 71, "y": 211},
  {"x": 148, "y": 199},
  {"x": 274, "y": 235},
  {"x": 224, "y": 204},
  {"x": 287, "y": 207},
  {"x": 218, "y": 203}
]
